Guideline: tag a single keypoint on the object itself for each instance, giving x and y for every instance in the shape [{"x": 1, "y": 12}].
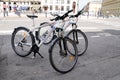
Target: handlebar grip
[
  {"x": 79, "y": 13},
  {"x": 66, "y": 14},
  {"x": 57, "y": 18},
  {"x": 62, "y": 17},
  {"x": 71, "y": 16},
  {"x": 52, "y": 19}
]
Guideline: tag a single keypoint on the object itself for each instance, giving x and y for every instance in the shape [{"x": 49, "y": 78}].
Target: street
[{"x": 100, "y": 62}]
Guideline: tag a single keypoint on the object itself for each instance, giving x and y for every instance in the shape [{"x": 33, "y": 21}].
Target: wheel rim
[
  {"x": 44, "y": 30},
  {"x": 80, "y": 41},
  {"x": 63, "y": 63},
  {"x": 22, "y": 42}
]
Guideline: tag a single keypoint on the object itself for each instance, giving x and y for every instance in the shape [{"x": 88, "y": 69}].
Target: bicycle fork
[
  {"x": 75, "y": 35},
  {"x": 63, "y": 47}
]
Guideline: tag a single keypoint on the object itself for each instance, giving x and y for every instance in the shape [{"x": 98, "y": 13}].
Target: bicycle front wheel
[
  {"x": 60, "y": 55},
  {"x": 43, "y": 32},
  {"x": 80, "y": 39},
  {"x": 22, "y": 41}
]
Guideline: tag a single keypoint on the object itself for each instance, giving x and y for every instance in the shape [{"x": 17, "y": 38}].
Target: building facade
[
  {"x": 111, "y": 8},
  {"x": 60, "y": 5},
  {"x": 23, "y": 4},
  {"x": 44, "y": 5},
  {"x": 93, "y": 8}
]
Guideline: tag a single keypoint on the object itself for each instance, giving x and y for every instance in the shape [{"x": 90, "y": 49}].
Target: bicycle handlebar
[
  {"x": 79, "y": 13},
  {"x": 61, "y": 17}
]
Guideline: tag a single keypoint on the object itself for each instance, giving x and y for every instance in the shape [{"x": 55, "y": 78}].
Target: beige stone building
[
  {"x": 93, "y": 7},
  {"x": 111, "y": 8}
]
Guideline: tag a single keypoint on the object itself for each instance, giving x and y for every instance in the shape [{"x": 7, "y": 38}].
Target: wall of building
[
  {"x": 111, "y": 8},
  {"x": 22, "y": 3},
  {"x": 93, "y": 8},
  {"x": 60, "y": 6}
]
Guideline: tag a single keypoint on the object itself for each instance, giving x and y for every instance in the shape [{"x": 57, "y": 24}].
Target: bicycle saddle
[{"x": 32, "y": 16}]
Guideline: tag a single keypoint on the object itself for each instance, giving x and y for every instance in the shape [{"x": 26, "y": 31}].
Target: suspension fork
[
  {"x": 63, "y": 48},
  {"x": 75, "y": 34},
  {"x": 62, "y": 44},
  {"x": 65, "y": 45}
]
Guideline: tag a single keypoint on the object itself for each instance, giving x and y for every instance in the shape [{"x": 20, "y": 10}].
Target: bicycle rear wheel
[
  {"x": 22, "y": 41},
  {"x": 60, "y": 55},
  {"x": 80, "y": 39}
]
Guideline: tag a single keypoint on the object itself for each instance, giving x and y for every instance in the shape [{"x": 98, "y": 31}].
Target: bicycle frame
[
  {"x": 37, "y": 40},
  {"x": 33, "y": 30},
  {"x": 53, "y": 25},
  {"x": 69, "y": 22}
]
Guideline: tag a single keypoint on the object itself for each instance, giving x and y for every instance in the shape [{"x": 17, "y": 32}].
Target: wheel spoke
[
  {"x": 22, "y": 41},
  {"x": 62, "y": 60}
]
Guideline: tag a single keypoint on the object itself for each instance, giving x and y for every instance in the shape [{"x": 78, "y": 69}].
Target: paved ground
[{"x": 100, "y": 62}]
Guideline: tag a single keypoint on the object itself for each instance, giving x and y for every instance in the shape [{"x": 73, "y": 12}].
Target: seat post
[
  {"x": 33, "y": 20},
  {"x": 32, "y": 17}
]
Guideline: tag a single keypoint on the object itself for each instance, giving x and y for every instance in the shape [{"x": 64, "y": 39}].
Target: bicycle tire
[
  {"x": 53, "y": 56},
  {"x": 49, "y": 39},
  {"x": 82, "y": 45},
  {"x": 16, "y": 34}
]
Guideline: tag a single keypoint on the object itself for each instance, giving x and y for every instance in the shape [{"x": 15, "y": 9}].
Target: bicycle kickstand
[{"x": 35, "y": 49}]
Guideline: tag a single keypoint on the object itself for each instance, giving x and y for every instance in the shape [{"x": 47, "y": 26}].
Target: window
[
  {"x": 68, "y": 8},
  {"x": 51, "y": 8},
  {"x": 56, "y": 7},
  {"x": 68, "y": 1},
  {"x": 62, "y": 8},
  {"x": 35, "y": 3},
  {"x": 27, "y": 2},
  {"x": 39, "y": 3},
  {"x": 31, "y": 2},
  {"x": 13, "y": 3}
]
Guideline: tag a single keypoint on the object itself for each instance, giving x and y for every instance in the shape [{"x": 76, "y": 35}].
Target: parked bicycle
[
  {"x": 25, "y": 41},
  {"x": 75, "y": 34}
]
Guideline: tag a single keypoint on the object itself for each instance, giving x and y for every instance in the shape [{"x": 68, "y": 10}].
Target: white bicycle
[
  {"x": 25, "y": 41},
  {"x": 75, "y": 34}
]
